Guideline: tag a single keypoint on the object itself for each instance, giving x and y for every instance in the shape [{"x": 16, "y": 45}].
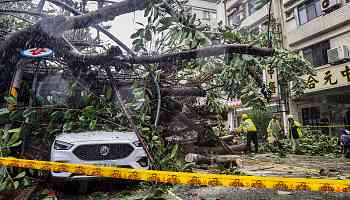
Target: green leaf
[
  {"x": 154, "y": 138},
  {"x": 16, "y": 133},
  {"x": 26, "y": 182},
  {"x": 147, "y": 10},
  {"x": 139, "y": 23},
  {"x": 3, "y": 185},
  {"x": 135, "y": 35},
  {"x": 109, "y": 93},
  {"x": 93, "y": 124},
  {"x": 166, "y": 20},
  {"x": 11, "y": 100},
  {"x": 55, "y": 131},
  {"x": 174, "y": 151},
  {"x": 15, "y": 130},
  {"x": 67, "y": 115},
  {"x": 16, "y": 185},
  {"x": 16, "y": 115},
  {"x": 162, "y": 28},
  {"x": 28, "y": 112},
  {"x": 145, "y": 129},
  {"x": 67, "y": 126},
  {"x": 57, "y": 116},
  {"x": 20, "y": 175},
  {"x": 137, "y": 41},
  {"x": 156, "y": 14},
  {"x": 15, "y": 144}
]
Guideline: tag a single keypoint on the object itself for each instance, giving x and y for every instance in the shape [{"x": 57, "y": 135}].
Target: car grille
[{"x": 99, "y": 152}]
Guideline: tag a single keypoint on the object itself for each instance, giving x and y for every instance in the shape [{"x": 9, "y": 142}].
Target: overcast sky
[{"x": 125, "y": 25}]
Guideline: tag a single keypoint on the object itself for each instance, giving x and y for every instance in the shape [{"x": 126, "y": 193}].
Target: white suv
[{"x": 121, "y": 149}]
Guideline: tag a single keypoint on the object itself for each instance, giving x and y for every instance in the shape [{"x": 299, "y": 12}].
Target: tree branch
[
  {"x": 215, "y": 50},
  {"x": 107, "y": 13},
  {"x": 48, "y": 31},
  {"x": 98, "y": 27},
  {"x": 187, "y": 91},
  {"x": 20, "y": 12},
  {"x": 18, "y": 17}
]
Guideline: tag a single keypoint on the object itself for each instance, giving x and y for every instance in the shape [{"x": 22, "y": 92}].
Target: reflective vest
[
  {"x": 274, "y": 128},
  {"x": 297, "y": 128},
  {"x": 247, "y": 126}
]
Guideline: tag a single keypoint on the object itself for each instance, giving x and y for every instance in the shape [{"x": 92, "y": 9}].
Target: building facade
[
  {"x": 319, "y": 30},
  {"x": 206, "y": 11},
  {"x": 254, "y": 17}
]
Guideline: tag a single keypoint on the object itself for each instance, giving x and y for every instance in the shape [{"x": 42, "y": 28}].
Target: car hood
[{"x": 97, "y": 136}]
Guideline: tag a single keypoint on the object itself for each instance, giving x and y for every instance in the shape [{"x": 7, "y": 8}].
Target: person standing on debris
[
  {"x": 294, "y": 132},
  {"x": 248, "y": 127},
  {"x": 273, "y": 133}
]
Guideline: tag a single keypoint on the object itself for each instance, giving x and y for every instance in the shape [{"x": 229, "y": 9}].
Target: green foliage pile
[
  {"x": 170, "y": 27},
  {"x": 312, "y": 144},
  {"x": 315, "y": 144},
  {"x": 11, "y": 178},
  {"x": 41, "y": 124}
]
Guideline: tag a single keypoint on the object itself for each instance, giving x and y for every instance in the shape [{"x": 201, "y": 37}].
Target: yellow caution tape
[
  {"x": 330, "y": 126},
  {"x": 200, "y": 179}
]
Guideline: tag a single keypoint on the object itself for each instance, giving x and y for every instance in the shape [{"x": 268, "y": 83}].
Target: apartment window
[
  {"x": 309, "y": 11},
  {"x": 251, "y": 7},
  {"x": 234, "y": 19},
  {"x": 311, "y": 115},
  {"x": 317, "y": 54}
]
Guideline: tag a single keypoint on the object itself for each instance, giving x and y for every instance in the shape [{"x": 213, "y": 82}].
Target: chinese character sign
[
  {"x": 271, "y": 80},
  {"x": 327, "y": 78}
]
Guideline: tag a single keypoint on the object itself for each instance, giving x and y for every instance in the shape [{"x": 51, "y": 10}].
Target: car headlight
[
  {"x": 137, "y": 143},
  {"x": 59, "y": 145}
]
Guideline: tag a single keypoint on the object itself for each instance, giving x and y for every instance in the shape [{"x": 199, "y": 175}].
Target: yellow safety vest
[
  {"x": 247, "y": 126},
  {"x": 296, "y": 125}
]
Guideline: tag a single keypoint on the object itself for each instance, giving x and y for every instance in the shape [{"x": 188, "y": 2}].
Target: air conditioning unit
[
  {"x": 338, "y": 54},
  {"x": 328, "y": 5}
]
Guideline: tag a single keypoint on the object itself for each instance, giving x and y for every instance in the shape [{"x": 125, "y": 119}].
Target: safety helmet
[
  {"x": 290, "y": 117},
  {"x": 244, "y": 116}
]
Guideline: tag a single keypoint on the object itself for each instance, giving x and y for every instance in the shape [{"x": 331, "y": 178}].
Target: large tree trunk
[
  {"x": 219, "y": 150},
  {"x": 48, "y": 33},
  {"x": 217, "y": 159},
  {"x": 188, "y": 91}
]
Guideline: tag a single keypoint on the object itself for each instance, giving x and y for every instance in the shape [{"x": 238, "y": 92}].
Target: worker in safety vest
[
  {"x": 248, "y": 127},
  {"x": 274, "y": 131},
  {"x": 294, "y": 132}
]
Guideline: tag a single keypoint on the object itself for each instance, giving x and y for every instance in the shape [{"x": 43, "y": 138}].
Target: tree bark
[
  {"x": 187, "y": 91},
  {"x": 218, "y": 159},
  {"x": 128, "y": 115},
  {"x": 48, "y": 33},
  {"x": 214, "y": 50},
  {"x": 235, "y": 149}
]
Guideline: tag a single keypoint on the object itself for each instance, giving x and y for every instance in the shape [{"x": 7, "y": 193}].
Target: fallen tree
[
  {"x": 48, "y": 32},
  {"x": 165, "y": 110}
]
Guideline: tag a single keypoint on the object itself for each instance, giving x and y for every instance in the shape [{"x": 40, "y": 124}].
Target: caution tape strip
[
  {"x": 330, "y": 126},
  {"x": 187, "y": 178}
]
